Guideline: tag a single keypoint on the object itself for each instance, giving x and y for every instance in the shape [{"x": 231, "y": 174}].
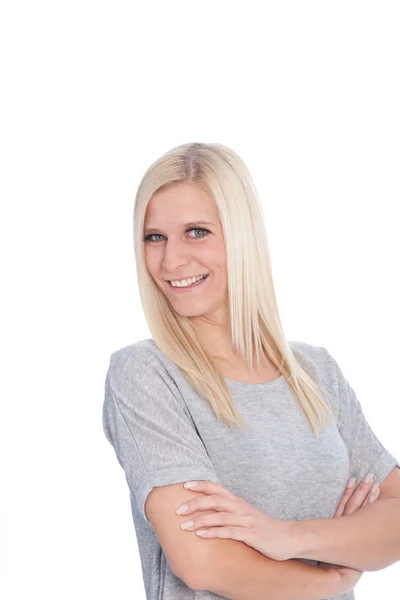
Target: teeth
[{"x": 187, "y": 282}]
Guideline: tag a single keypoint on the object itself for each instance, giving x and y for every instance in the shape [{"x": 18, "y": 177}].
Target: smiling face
[{"x": 184, "y": 238}]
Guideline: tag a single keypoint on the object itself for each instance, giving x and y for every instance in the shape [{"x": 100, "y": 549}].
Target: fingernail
[
  {"x": 374, "y": 488},
  {"x": 369, "y": 478},
  {"x": 186, "y": 524},
  {"x": 351, "y": 482},
  {"x": 190, "y": 484},
  {"x": 202, "y": 532}
]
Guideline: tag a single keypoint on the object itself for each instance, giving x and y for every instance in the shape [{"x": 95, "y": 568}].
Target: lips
[
  {"x": 182, "y": 278},
  {"x": 187, "y": 287}
]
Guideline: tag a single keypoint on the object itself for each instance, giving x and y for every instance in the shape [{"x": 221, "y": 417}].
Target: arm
[
  {"x": 368, "y": 540},
  {"x": 234, "y": 570}
]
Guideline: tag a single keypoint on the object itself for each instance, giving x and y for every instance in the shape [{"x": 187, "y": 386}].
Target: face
[{"x": 178, "y": 245}]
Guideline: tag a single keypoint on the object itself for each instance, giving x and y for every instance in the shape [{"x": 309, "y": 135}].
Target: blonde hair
[{"x": 254, "y": 315}]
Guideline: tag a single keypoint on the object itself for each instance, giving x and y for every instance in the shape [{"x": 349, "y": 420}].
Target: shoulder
[
  {"x": 138, "y": 375},
  {"x": 304, "y": 351},
  {"x": 135, "y": 361},
  {"x": 317, "y": 361}
]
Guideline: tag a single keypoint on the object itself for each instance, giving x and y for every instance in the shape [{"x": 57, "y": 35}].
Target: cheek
[
  {"x": 220, "y": 252},
  {"x": 151, "y": 262},
  {"x": 213, "y": 255}
]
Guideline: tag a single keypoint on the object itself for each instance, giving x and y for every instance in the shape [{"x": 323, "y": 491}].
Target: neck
[{"x": 214, "y": 334}]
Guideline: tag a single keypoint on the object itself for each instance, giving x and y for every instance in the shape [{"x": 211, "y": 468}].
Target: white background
[{"x": 92, "y": 93}]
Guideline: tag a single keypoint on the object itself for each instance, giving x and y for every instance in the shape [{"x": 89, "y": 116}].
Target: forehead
[{"x": 179, "y": 204}]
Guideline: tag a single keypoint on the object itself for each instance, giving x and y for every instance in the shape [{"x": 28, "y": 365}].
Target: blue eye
[
  {"x": 195, "y": 229},
  {"x": 149, "y": 237}
]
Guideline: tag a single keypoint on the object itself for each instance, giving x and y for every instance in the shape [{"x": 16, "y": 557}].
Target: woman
[{"x": 218, "y": 394}]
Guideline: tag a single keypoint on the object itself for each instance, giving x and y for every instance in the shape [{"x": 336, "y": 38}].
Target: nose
[{"x": 175, "y": 255}]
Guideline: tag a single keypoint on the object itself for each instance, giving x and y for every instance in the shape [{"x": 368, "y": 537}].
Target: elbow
[
  {"x": 195, "y": 584},
  {"x": 191, "y": 580},
  {"x": 196, "y": 574},
  {"x": 190, "y": 572}
]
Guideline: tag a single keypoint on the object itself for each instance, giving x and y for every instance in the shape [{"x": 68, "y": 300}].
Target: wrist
[
  {"x": 297, "y": 535},
  {"x": 303, "y": 540}
]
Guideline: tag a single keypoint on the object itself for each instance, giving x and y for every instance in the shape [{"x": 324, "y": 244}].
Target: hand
[
  {"x": 355, "y": 498},
  {"x": 236, "y": 519},
  {"x": 352, "y": 500}
]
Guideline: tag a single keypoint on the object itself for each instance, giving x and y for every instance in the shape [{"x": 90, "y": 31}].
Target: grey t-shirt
[{"x": 163, "y": 432}]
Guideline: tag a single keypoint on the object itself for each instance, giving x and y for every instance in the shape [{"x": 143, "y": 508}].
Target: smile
[{"x": 183, "y": 288}]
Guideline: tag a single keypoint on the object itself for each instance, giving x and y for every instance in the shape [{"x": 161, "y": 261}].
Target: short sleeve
[
  {"x": 366, "y": 452},
  {"x": 149, "y": 426}
]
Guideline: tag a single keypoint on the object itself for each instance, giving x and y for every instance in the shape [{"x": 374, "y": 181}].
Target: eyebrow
[{"x": 191, "y": 224}]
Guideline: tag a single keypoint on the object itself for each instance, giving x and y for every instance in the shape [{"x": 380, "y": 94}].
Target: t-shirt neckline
[{"x": 255, "y": 386}]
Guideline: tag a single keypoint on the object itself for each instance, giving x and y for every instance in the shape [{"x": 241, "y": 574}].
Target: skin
[
  {"x": 173, "y": 253},
  {"x": 214, "y": 496}
]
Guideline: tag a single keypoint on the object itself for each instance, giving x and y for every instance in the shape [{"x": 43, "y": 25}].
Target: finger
[
  {"x": 217, "y": 520},
  {"x": 241, "y": 534},
  {"x": 212, "y": 502},
  {"x": 209, "y": 487},
  {"x": 358, "y": 497},
  {"x": 348, "y": 491},
  {"x": 372, "y": 497}
]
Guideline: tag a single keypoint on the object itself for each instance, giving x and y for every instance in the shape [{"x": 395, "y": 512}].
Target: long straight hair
[{"x": 254, "y": 316}]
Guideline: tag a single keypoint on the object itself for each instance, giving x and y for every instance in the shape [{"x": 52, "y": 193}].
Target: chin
[{"x": 189, "y": 312}]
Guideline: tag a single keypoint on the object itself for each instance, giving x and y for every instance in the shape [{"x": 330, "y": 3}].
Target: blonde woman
[{"x": 269, "y": 429}]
